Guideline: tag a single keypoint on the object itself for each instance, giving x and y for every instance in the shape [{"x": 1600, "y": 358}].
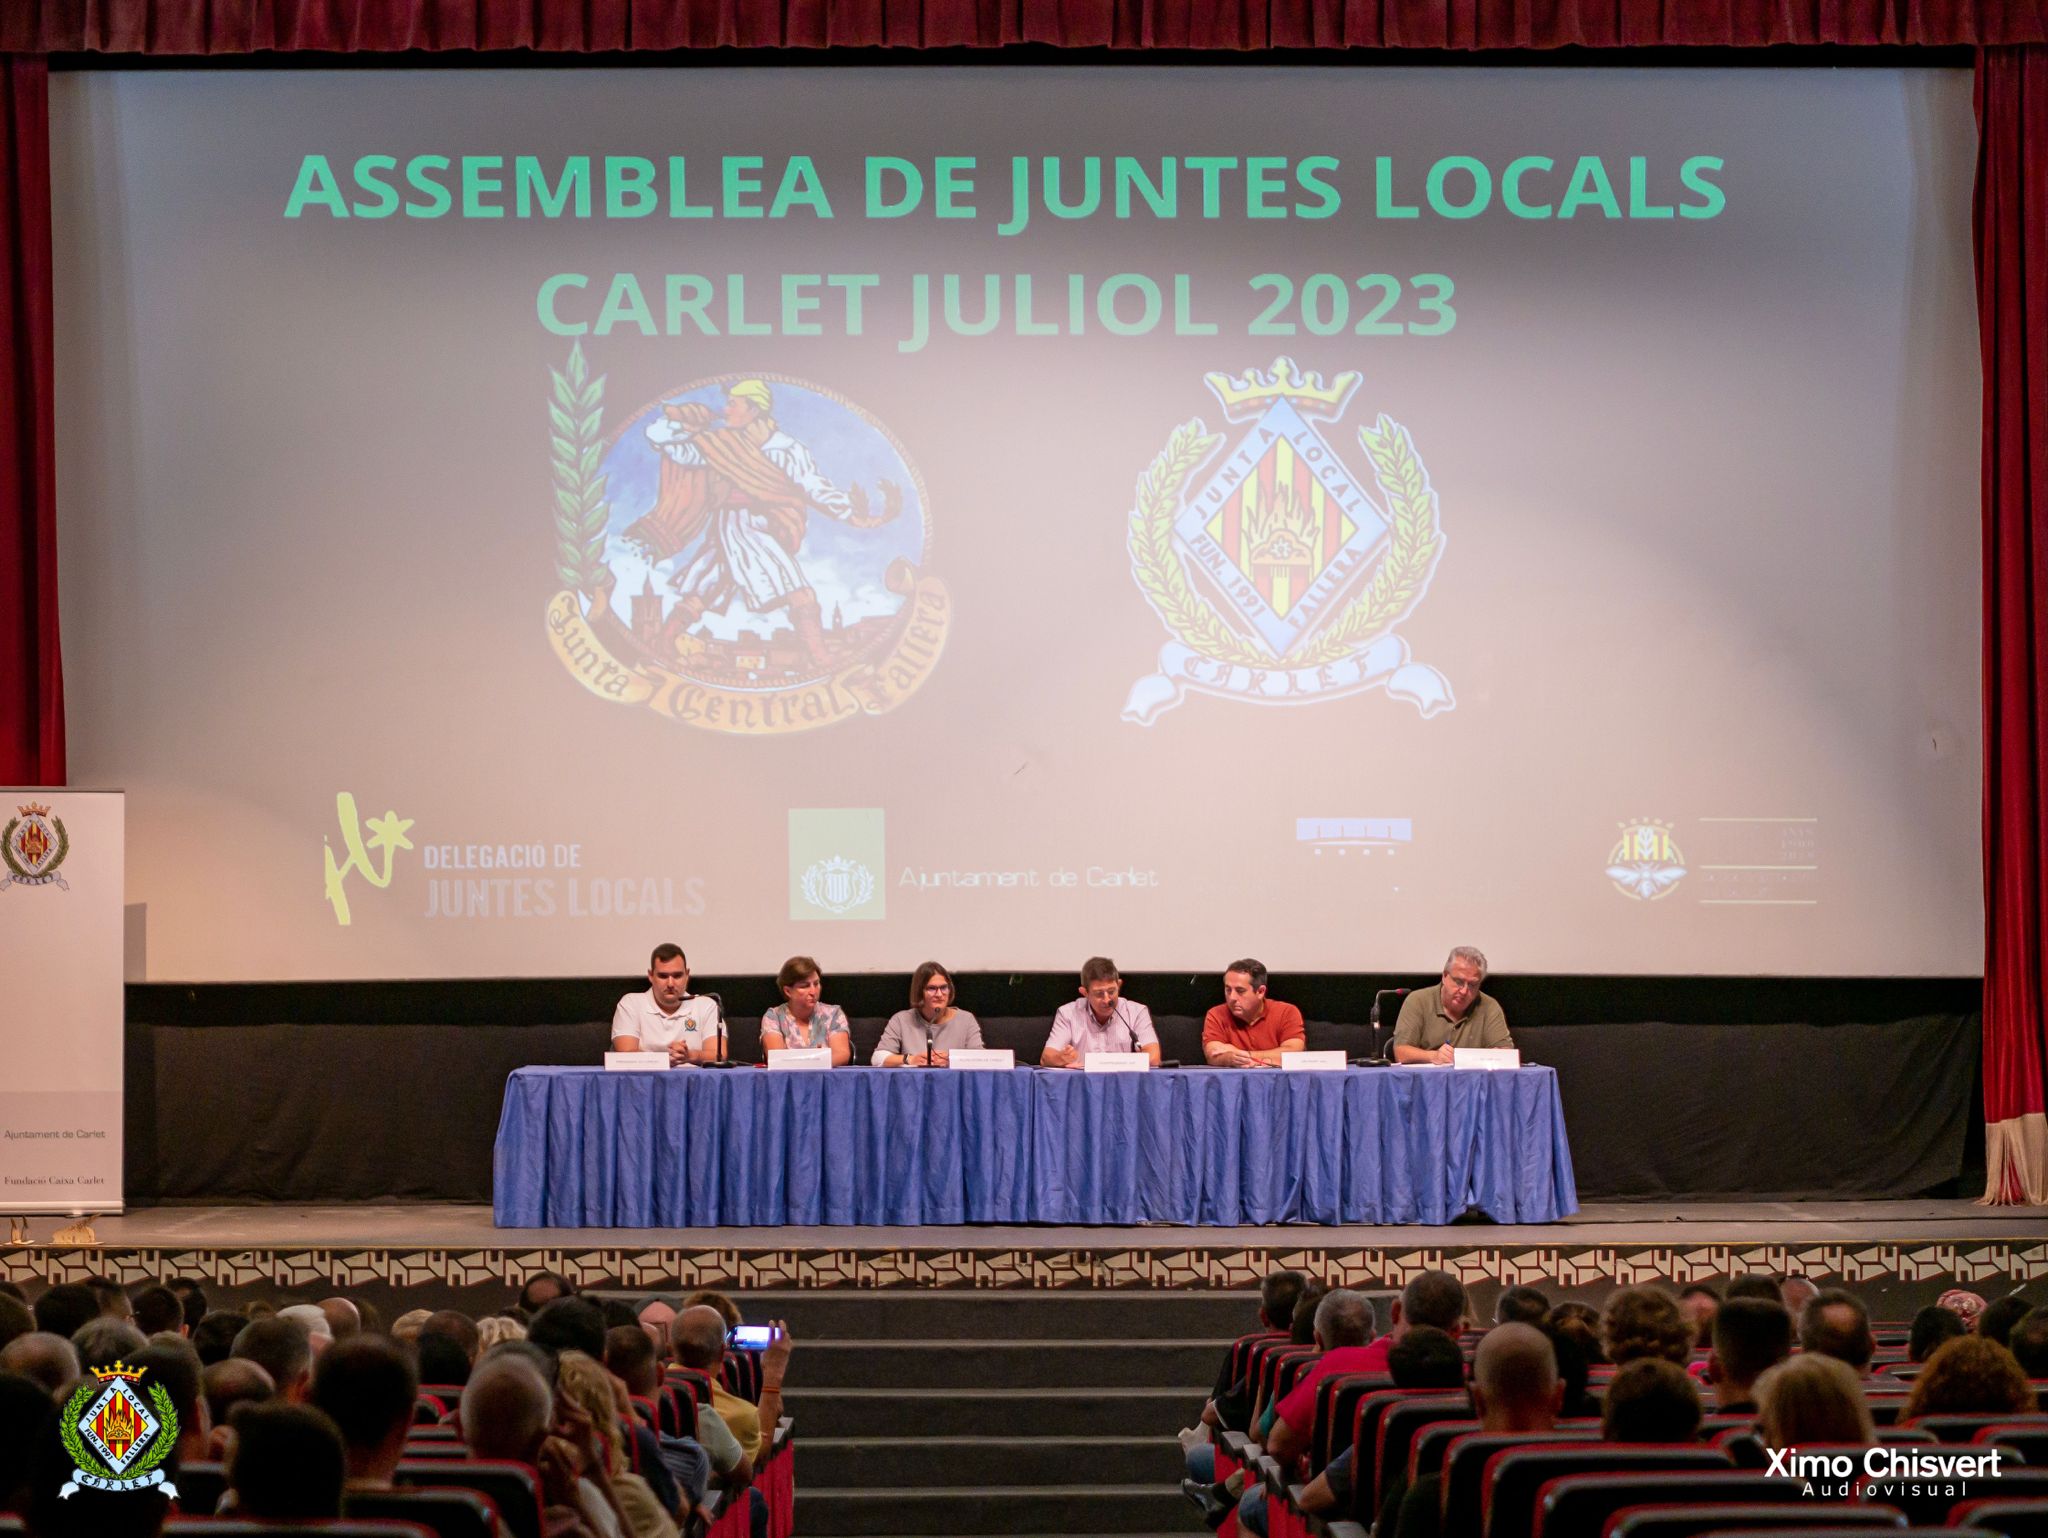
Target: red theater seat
[
  {"x": 445, "y": 1513},
  {"x": 1578, "y": 1504},
  {"x": 1964, "y": 1428},
  {"x": 200, "y": 1487},
  {"x": 1993, "y": 1514},
  {"x": 341, "y": 1527},
  {"x": 514, "y": 1488},
  {"x": 1801, "y": 1516},
  {"x": 1464, "y": 1468},
  {"x": 1347, "y": 1407},
  {"x": 1515, "y": 1476},
  {"x": 1398, "y": 1426}
]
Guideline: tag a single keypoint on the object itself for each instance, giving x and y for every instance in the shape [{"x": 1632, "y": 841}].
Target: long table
[{"x": 703, "y": 1148}]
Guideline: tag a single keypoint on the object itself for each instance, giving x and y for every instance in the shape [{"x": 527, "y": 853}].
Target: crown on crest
[
  {"x": 33, "y": 809},
  {"x": 1251, "y": 395},
  {"x": 119, "y": 1370}
]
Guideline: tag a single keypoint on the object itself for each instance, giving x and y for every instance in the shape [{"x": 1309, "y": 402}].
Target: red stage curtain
[
  {"x": 199, "y": 27},
  {"x": 2012, "y": 316},
  {"x": 31, "y": 683}
]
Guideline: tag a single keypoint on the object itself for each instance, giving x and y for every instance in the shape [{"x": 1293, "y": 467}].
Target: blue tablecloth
[{"x": 698, "y": 1148}]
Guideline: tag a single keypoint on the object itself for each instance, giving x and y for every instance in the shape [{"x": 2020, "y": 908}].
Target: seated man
[
  {"x": 1101, "y": 1020},
  {"x": 1450, "y": 1013},
  {"x": 668, "y": 1017},
  {"x": 1249, "y": 1030}
]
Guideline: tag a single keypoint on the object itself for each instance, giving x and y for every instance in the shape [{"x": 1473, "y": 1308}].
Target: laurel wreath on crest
[
  {"x": 7, "y": 851},
  {"x": 83, "y": 1458},
  {"x": 581, "y": 512},
  {"x": 1413, "y": 541}
]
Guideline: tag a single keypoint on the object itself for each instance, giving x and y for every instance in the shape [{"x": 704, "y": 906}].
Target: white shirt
[
  {"x": 1128, "y": 1029},
  {"x": 695, "y": 1021}
]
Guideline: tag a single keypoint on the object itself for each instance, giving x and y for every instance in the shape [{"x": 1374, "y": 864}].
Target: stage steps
[{"x": 932, "y": 1414}]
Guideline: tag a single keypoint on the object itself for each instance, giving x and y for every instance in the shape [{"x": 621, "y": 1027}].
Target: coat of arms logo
[
  {"x": 116, "y": 1437},
  {"x": 1281, "y": 575},
  {"x": 33, "y": 845},
  {"x": 837, "y": 884},
  {"x": 745, "y": 554}
]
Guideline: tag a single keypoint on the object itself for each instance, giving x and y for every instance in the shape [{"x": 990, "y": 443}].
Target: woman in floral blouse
[{"x": 801, "y": 1020}]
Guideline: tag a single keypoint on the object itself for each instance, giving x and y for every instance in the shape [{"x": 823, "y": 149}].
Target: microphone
[
  {"x": 718, "y": 1004},
  {"x": 1379, "y": 1051},
  {"x": 931, "y": 1040}
]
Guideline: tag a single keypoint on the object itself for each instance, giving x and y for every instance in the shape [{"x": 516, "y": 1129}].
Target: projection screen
[{"x": 509, "y": 519}]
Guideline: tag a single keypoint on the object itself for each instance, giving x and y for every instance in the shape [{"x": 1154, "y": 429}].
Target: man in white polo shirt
[
  {"x": 1100, "y": 1020},
  {"x": 667, "y": 1018}
]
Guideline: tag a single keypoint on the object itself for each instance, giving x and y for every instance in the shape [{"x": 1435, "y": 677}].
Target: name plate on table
[
  {"x": 981, "y": 1057},
  {"x": 803, "y": 1059},
  {"x": 1485, "y": 1057},
  {"x": 635, "y": 1062},
  {"x": 1115, "y": 1062},
  {"x": 1312, "y": 1062}
]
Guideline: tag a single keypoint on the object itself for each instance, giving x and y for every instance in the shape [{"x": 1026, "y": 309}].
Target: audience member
[
  {"x": 542, "y": 1288},
  {"x": 1755, "y": 1285},
  {"x": 1813, "y": 1399},
  {"x": 191, "y": 1297},
  {"x": 2000, "y": 1315},
  {"x": 214, "y": 1336},
  {"x": 111, "y": 1297},
  {"x": 1969, "y": 1376},
  {"x": 62, "y": 1309},
  {"x": 12, "y": 1290},
  {"x": 237, "y": 1381},
  {"x": 344, "y": 1319},
  {"x": 1301, "y": 1325},
  {"x": 441, "y": 1361},
  {"x": 1933, "y": 1326},
  {"x": 172, "y": 1362},
  {"x": 584, "y": 1383},
  {"x": 48, "y": 1359},
  {"x": 457, "y": 1327},
  {"x": 27, "y": 1414},
  {"x": 1645, "y": 1322},
  {"x": 507, "y": 1412},
  {"x": 631, "y": 1357},
  {"x": 729, "y": 1311},
  {"x": 1651, "y": 1399},
  {"x": 1426, "y": 1357},
  {"x": 286, "y": 1465},
  {"x": 16, "y": 1319},
  {"x": 1963, "y": 1303},
  {"x": 577, "y": 1324},
  {"x": 1795, "y": 1292},
  {"x": 158, "y": 1312},
  {"x": 697, "y": 1340},
  {"x": 1835, "y": 1323},
  {"x": 313, "y": 1320},
  {"x": 1515, "y": 1387},
  {"x": 1520, "y": 1305},
  {"x": 1699, "y": 1303},
  {"x": 495, "y": 1330},
  {"x": 1344, "y": 1327},
  {"x": 1576, "y": 1347},
  {"x": 1585, "y": 1314},
  {"x": 106, "y": 1340},
  {"x": 2029, "y": 1343},
  {"x": 1750, "y": 1338},
  {"x": 405, "y": 1329},
  {"x": 281, "y": 1348},
  {"x": 366, "y": 1386}
]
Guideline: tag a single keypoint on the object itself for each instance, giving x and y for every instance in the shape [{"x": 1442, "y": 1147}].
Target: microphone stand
[{"x": 1379, "y": 1058}]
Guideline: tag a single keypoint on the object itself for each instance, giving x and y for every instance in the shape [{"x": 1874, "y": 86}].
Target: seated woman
[
  {"x": 926, "y": 1034},
  {"x": 801, "y": 1019},
  {"x": 1812, "y": 1399}
]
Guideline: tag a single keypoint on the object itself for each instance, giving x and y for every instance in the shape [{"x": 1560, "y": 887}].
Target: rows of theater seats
[{"x": 1569, "y": 1483}]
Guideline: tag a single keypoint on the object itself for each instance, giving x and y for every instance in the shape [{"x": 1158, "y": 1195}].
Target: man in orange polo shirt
[{"x": 1249, "y": 1030}]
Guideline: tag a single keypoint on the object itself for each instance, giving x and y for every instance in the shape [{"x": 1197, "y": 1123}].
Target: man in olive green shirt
[{"x": 1453, "y": 1013}]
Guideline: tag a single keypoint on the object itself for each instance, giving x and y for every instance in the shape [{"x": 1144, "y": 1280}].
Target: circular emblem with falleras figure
[{"x": 746, "y": 553}]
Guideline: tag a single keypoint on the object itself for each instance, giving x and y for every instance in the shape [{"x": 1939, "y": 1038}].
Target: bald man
[
  {"x": 1515, "y": 1387},
  {"x": 506, "y": 1411},
  {"x": 50, "y": 1360}
]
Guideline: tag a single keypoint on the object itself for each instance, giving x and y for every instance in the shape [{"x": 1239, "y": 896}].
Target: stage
[{"x": 1898, "y": 1254}]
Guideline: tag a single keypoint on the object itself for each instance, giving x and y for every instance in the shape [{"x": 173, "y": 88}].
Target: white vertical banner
[{"x": 61, "y": 894}]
